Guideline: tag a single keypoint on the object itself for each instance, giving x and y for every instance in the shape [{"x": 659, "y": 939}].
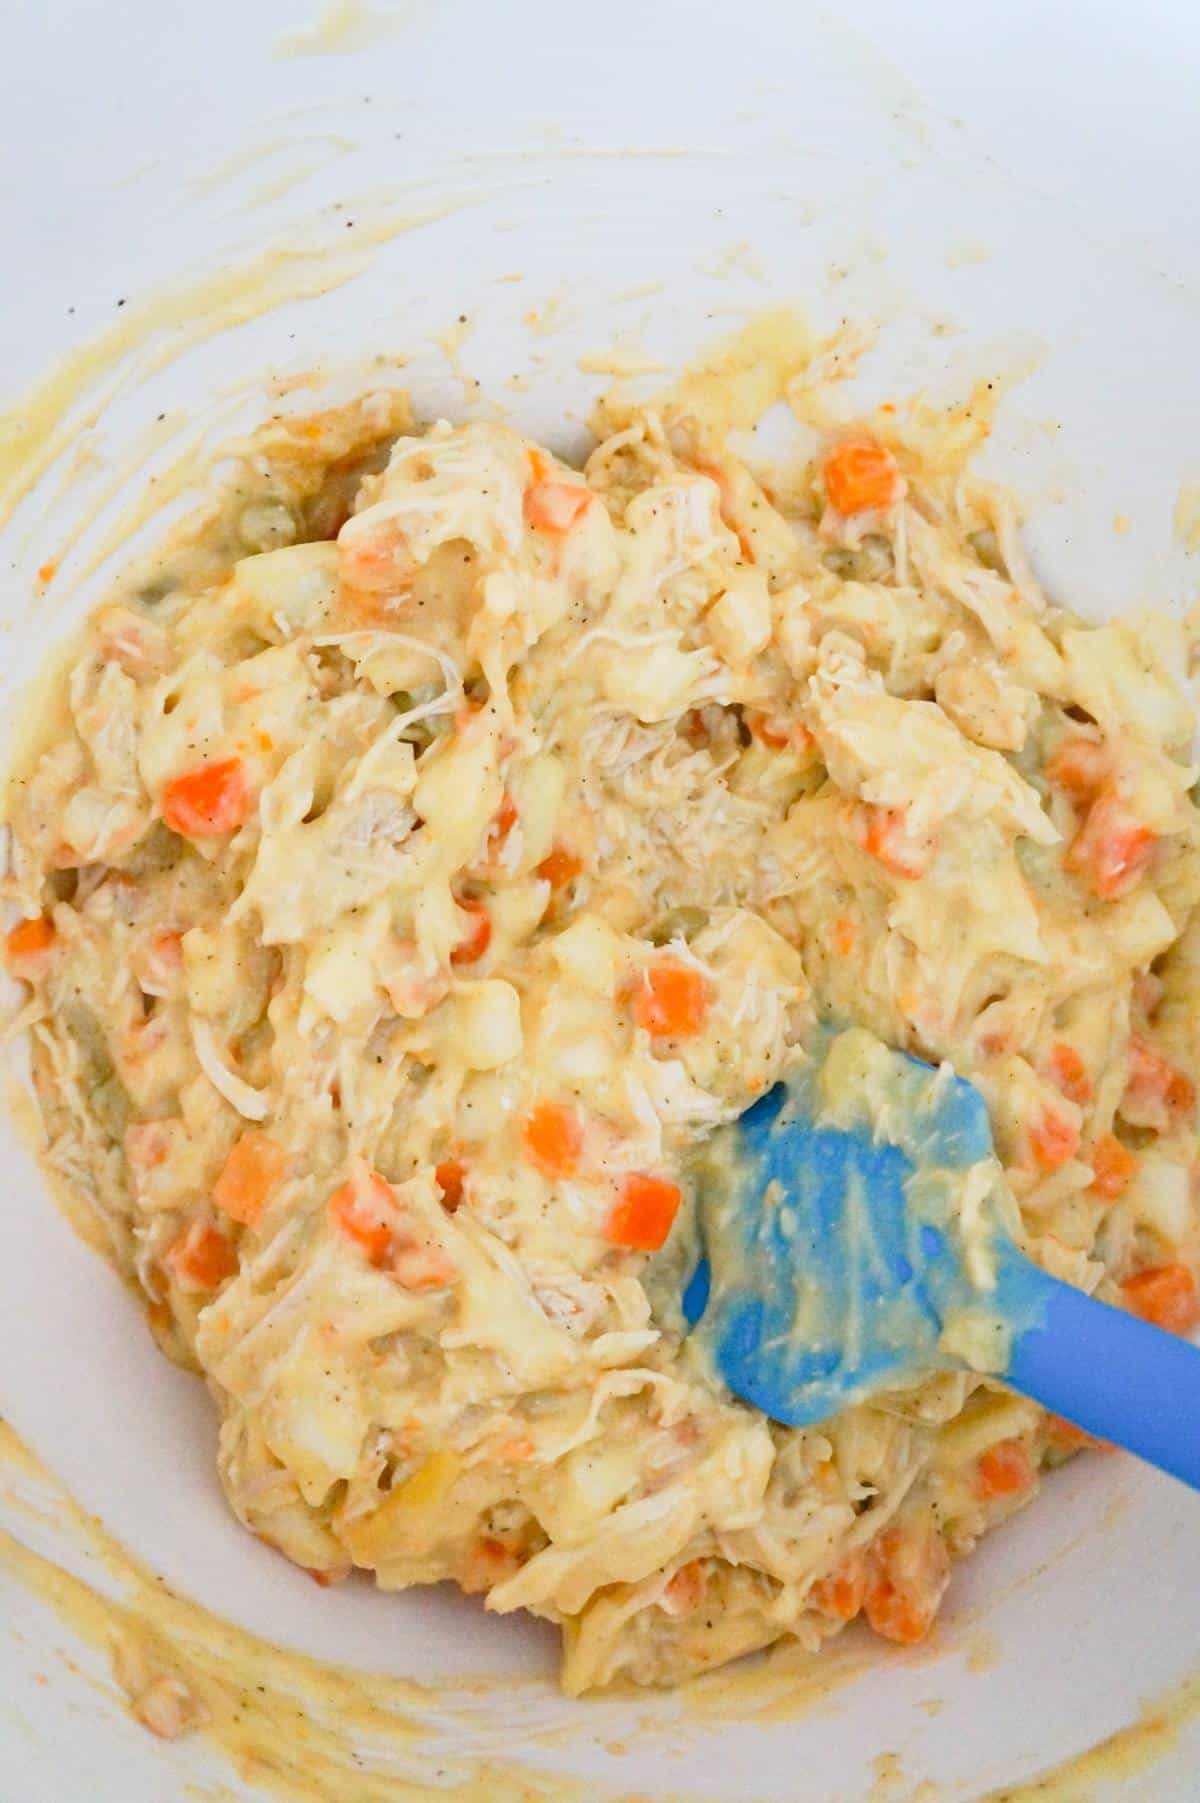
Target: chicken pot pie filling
[{"x": 435, "y": 842}]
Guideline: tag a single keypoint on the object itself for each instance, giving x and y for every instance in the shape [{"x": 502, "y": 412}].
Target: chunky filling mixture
[{"x": 437, "y": 842}]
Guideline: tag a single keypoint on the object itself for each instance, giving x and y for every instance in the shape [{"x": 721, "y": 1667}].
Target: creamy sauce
[
  {"x": 1187, "y": 516},
  {"x": 1130, "y": 1753},
  {"x": 301, "y": 1728},
  {"x": 44, "y": 422},
  {"x": 759, "y": 365},
  {"x": 733, "y": 384},
  {"x": 347, "y": 25},
  {"x": 622, "y": 360},
  {"x": 290, "y": 1725}
]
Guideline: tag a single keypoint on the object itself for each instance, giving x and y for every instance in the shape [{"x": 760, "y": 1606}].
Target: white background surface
[{"x": 1024, "y": 172}]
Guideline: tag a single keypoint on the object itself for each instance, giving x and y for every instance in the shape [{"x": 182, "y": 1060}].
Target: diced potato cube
[
  {"x": 297, "y": 585},
  {"x": 793, "y": 629},
  {"x": 1159, "y": 1197},
  {"x": 739, "y": 623},
  {"x": 589, "y": 954},
  {"x": 537, "y": 791},
  {"x": 404, "y": 1522},
  {"x": 487, "y": 1024},
  {"x": 340, "y": 975},
  {"x": 654, "y": 684},
  {"x": 459, "y": 792},
  {"x": 315, "y": 1421}
]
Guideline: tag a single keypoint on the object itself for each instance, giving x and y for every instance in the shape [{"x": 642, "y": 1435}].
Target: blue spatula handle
[{"x": 1111, "y": 1373}]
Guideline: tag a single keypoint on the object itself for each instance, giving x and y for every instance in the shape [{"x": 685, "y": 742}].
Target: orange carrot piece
[
  {"x": 769, "y": 730},
  {"x": 883, "y": 835},
  {"x": 1113, "y": 1165},
  {"x": 420, "y": 1264},
  {"x": 1079, "y": 767},
  {"x": 365, "y": 1210},
  {"x": 644, "y": 1214},
  {"x": 201, "y": 1258},
  {"x": 211, "y": 800},
  {"x": 670, "y": 999},
  {"x": 552, "y": 1139},
  {"x": 845, "y": 935},
  {"x": 1067, "y": 1071},
  {"x": 777, "y": 731},
  {"x": 841, "y": 1592},
  {"x": 1112, "y": 850},
  {"x": 499, "y": 827},
  {"x": 370, "y": 566},
  {"x": 167, "y": 948},
  {"x": 684, "y": 1591},
  {"x": 559, "y": 867},
  {"x": 907, "y": 1569},
  {"x": 554, "y": 507},
  {"x": 502, "y": 825},
  {"x": 478, "y": 936},
  {"x": 861, "y": 477},
  {"x": 1167, "y": 1295},
  {"x": 1053, "y": 1140},
  {"x": 249, "y": 1177},
  {"x": 1005, "y": 1469},
  {"x": 148, "y": 1144},
  {"x": 449, "y": 1177},
  {"x": 29, "y": 939},
  {"x": 1154, "y": 1087}
]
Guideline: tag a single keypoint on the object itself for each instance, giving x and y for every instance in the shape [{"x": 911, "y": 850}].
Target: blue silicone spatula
[{"x": 857, "y": 1234}]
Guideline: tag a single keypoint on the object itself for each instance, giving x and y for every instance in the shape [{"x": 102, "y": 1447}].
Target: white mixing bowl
[{"x": 1009, "y": 188}]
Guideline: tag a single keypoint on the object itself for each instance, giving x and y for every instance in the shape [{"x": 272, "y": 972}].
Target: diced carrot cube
[
  {"x": 643, "y": 1216},
  {"x": 1167, "y": 1295},
  {"x": 1156, "y": 1092},
  {"x": 840, "y": 1594},
  {"x": 861, "y": 477},
  {"x": 1067, "y": 1072},
  {"x": 554, "y": 507},
  {"x": 478, "y": 936},
  {"x": 1079, "y": 767},
  {"x": 845, "y": 935},
  {"x": 1113, "y": 1165},
  {"x": 684, "y": 1591},
  {"x": 883, "y": 832},
  {"x": 552, "y": 1139},
  {"x": 1112, "y": 850},
  {"x": 420, "y": 1264},
  {"x": 201, "y": 1258},
  {"x": 365, "y": 1210},
  {"x": 670, "y": 999},
  {"x": 449, "y": 1177},
  {"x": 29, "y": 939},
  {"x": 249, "y": 1177},
  {"x": 1005, "y": 1469},
  {"x": 908, "y": 1567},
  {"x": 212, "y": 800},
  {"x": 559, "y": 867},
  {"x": 777, "y": 731},
  {"x": 1053, "y": 1139}
]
